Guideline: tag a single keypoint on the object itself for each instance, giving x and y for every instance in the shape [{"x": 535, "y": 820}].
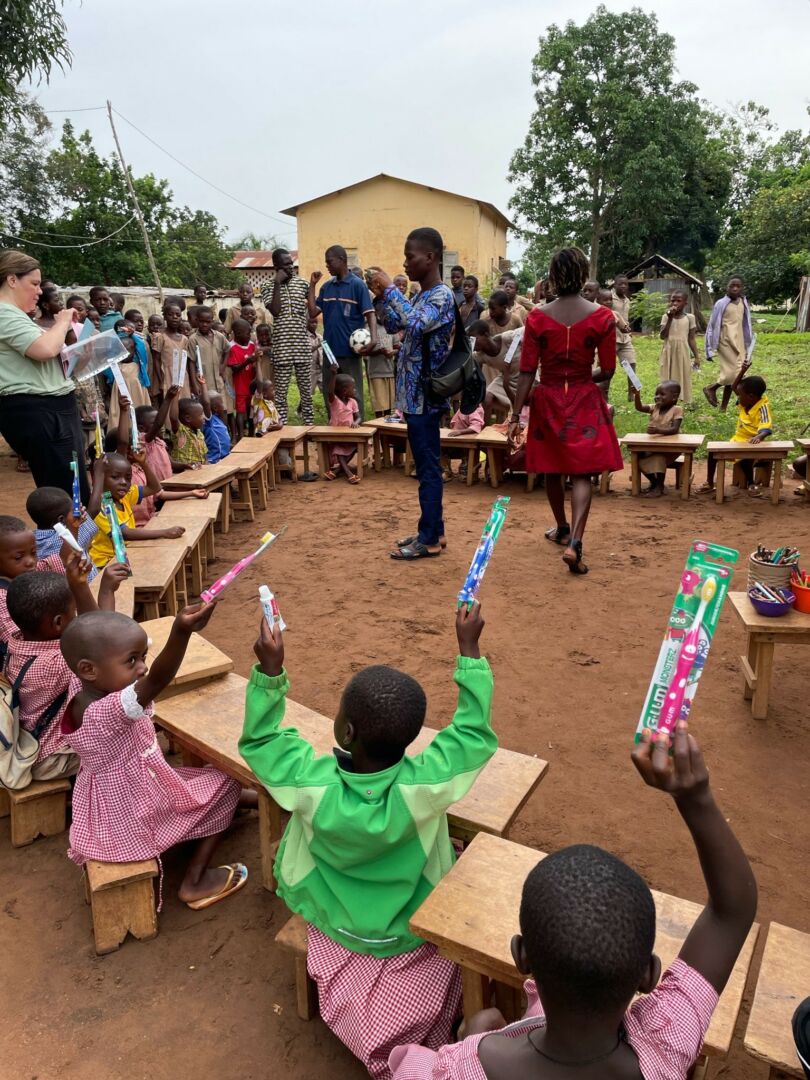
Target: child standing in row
[
  {"x": 679, "y": 335},
  {"x": 263, "y": 412},
  {"x": 729, "y": 335},
  {"x": 666, "y": 417},
  {"x": 380, "y": 368},
  {"x": 242, "y": 368},
  {"x": 213, "y": 348},
  {"x": 134, "y": 370},
  {"x": 343, "y": 412},
  {"x": 365, "y": 844},
  {"x": 129, "y": 803},
  {"x": 587, "y": 933},
  {"x": 164, "y": 344}
]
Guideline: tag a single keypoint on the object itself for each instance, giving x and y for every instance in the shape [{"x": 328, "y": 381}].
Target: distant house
[
  {"x": 257, "y": 266},
  {"x": 660, "y": 275},
  {"x": 372, "y": 218}
]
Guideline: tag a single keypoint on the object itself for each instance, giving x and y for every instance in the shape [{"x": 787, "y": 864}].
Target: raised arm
[
  {"x": 48, "y": 344},
  {"x": 715, "y": 941},
  {"x": 168, "y": 661},
  {"x": 637, "y": 402},
  {"x": 160, "y": 420},
  {"x": 312, "y": 304},
  {"x": 122, "y": 433},
  {"x": 94, "y": 502}
]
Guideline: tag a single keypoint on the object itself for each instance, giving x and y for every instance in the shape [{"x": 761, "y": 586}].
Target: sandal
[
  {"x": 574, "y": 561},
  {"x": 704, "y": 489},
  {"x": 415, "y": 540},
  {"x": 354, "y": 479},
  {"x": 329, "y": 475},
  {"x": 560, "y": 534},
  {"x": 237, "y": 878},
  {"x": 416, "y": 550}
]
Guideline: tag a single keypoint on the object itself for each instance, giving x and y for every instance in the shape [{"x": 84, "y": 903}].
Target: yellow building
[{"x": 372, "y": 218}]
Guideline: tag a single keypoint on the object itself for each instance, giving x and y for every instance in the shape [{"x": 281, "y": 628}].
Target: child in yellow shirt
[{"x": 754, "y": 424}]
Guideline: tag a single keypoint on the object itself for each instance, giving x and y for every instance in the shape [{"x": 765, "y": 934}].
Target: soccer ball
[{"x": 359, "y": 339}]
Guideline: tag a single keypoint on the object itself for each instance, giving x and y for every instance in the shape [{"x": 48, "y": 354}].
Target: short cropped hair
[
  {"x": 142, "y": 411},
  {"x": 472, "y": 278},
  {"x": 186, "y": 404},
  {"x": 499, "y": 297},
  {"x": 428, "y": 238},
  {"x": 754, "y": 384},
  {"x": 95, "y": 291},
  {"x": 90, "y": 635},
  {"x": 568, "y": 271},
  {"x": 588, "y": 926},
  {"x": 46, "y": 505},
  {"x": 278, "y": 255},
  {"x": 35, "y": 595},
  {"x": 453, "y": 269},
  {"x": 387, "y": 708},
  {"x": 240, "y": 323},
  {"x": 339, "y": 251},
  {"x": 343, "y": 380},
  {"x": 9, "y": 524},
  {"x": 479, "y": 328},
  {"x": 131, "y": 314}
]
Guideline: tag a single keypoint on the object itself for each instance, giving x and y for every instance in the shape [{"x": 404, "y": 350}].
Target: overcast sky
[{"x": 292, "y": 100}]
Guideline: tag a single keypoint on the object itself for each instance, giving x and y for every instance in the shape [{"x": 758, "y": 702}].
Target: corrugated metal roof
[{"x": 255, "y": 260}]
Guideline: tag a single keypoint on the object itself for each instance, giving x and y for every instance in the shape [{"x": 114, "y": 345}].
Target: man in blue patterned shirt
[{"x": 431, "y": 312}]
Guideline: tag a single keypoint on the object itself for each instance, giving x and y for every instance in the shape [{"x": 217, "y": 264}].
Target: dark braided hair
[{"x": 568, "y": 271}]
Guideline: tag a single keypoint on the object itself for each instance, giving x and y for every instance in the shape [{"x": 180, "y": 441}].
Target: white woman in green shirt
[{"x": 39, "y": 417}]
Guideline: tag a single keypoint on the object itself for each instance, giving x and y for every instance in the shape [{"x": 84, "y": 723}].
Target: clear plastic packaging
[{"x": 90, "y": 356}]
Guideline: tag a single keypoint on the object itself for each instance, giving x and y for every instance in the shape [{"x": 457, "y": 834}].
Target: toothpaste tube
[
  {"x": 64, "y": 533},
  {"x": 692, "y": 623},
  {"x": 108, "y": 509},
  {"x": 133, "y": 428},
  {"x": 199, "y": 362},
  {"x": 77, "y": 496},
  {"x": 270, "y": 608},
  {"x": 330, "y": 356}
]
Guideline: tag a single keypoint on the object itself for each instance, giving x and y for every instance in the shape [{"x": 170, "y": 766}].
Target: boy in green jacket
[{"x": 368, "y": 837}]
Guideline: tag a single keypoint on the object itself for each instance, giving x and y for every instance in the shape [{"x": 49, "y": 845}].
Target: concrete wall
[{"x": 373, "y": 219}]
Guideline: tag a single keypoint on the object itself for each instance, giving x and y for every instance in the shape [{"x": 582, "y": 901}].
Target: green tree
[
  {"x": 24, "y": 186},
  {"x": 251, "y": 241},
  {"x": 33, "y": 41},
  {"x": 618, "y": 154},
  {"x": 88, "y": 198}
]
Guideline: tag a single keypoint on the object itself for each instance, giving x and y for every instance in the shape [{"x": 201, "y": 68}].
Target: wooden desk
[
  {"x": 202, "y": 662},
  {"x": 763, "y": 633},
  {"x": 196, "y": 529},
  {"x": 639, "y": 443},
  {"x": 492, "y": 443},
  {"x": 781, "y": 985},
  {"x": 124, "y": 595},
  {"x": 266, "y": 445},
  {"x": 213, "y": 477},
  {"x": 181, "y": 511},
  {"x": 775, "y": 452},
  {"x": 291, "y": 437},
  {"x": 805, "y": 482},
  {"x": 386, "y": 436},
  {"x": 253, "y": 466},
  {"x": 158, "y": 574},
  {"x": 322, "y": 436},
  {"x": 472, "y": 914},
  {"x": 208, "y": 722}
]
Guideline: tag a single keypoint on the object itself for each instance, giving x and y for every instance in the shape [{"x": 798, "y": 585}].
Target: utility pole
[{"x": 136, "y": 204}]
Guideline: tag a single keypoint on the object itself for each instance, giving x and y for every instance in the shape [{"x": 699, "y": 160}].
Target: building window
[
  {"x": 449, "y": 260},
  {"x": 353, "y": 257}
]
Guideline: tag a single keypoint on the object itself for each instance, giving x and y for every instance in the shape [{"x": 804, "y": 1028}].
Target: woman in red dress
[{"x": 570, "y": 432}]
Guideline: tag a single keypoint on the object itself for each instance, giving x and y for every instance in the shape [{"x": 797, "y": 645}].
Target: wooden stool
[
  {"x": 38, "y": 810},
  {"x": 122, "y": 901},
  {"x": 760, "y": 453},
  {"x": 293, "y": 938},
  {"x": 640, "y": 444},
  {"x": 781, "y": 985}
]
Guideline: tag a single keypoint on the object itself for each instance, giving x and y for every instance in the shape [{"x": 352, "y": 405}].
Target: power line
[
  {"x": 90, "y": 108},
  {"x": 87, "y": 243},
  {"x": 130, "y": 239},
  {"x": 199, "y": 176}
]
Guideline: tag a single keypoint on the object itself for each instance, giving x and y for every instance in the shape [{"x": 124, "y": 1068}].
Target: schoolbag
[{"x": 19, "y": 748}]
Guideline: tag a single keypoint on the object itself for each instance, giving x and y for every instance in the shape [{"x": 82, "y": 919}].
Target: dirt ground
[{"x": 212, "y": 996}]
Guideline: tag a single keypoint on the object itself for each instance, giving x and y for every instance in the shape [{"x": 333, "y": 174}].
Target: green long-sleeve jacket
[{"x": 363, "y": 850}]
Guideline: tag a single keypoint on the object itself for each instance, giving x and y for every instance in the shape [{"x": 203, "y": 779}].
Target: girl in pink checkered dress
[
  {"x": 129, "y": 803},
  {"x": 587, "y": 932}
]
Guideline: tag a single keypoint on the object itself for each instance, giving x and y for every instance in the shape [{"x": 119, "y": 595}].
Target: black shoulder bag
[{"x": 458, "y": 373}]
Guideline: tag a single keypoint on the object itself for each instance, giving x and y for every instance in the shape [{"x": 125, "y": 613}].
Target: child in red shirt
[{"x": 242, "y": 366}]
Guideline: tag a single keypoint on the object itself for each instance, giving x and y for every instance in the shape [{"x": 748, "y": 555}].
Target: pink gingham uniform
[
  {"x": 665, "y": 1029},
  {"x": 157, "y": 458},
  {"x": 474, "y": 421},
  {"x": 7, "y": 624},
  {"x": 47, "y": 678},
  {"x": 342, "y": 414},
  {"x": 375, "y": 1004},
  {"x": 129, "y": 803},
  {"x": 145, "y": 510}
]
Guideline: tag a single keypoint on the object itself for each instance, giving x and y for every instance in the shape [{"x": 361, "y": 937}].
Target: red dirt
[{"x": 212, "y": 996}]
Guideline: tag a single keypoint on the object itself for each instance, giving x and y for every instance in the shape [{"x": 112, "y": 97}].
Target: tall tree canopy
[
  {"x": 620, "y": 157},
  {"x": 82, "y": 195},
  {"x": 33, "y": 41}
]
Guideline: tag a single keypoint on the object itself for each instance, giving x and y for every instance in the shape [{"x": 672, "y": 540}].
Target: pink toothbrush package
[{"x": 685, "y": 648}]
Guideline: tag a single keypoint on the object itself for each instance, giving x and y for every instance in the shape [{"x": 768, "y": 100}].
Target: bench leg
[
  {"x": 635, "y": 473},
  {"x": 5, "y": 805},
  {"x": 151, "y": 609},
  {"x": 180, "y": 588},
  {"x": 119, "y": 911},
  {"x": 361, "y": 457},
  {"x": 492, "y": 462},
  {"x": 306, "y": 990},
  {"x": 604, "y": 483},
  {"x": 750, "y": 676},
  {"x": 210, "y": 548},
  {"x": 377, "y": 452},
  {"x": 686, "y": 476},
  {"x": 720, "y": 482},
  {"x": 700, "y": 1070},
  {"x": 305, "y": 452},
  {"x": 530, "y": 479},
  {"x": 261, "y": 487},
  {"x": 45, "y": 816},
  {"x": 764, "y": 672},
  {"x": 269, "y": 837},
  {"x": 225, "y": 508},
  {"x": 776, "y": 483},
  {"x": 474, "y": 991},
  {"x": 197, "y": 568}
]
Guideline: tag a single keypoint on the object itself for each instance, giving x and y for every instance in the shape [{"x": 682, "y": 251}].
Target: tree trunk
[{"x": 596, "y": 234}]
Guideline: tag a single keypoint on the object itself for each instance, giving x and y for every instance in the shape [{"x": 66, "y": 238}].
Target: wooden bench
[
  {"x": 181, "y": 511},
  {"x": 389, "y": 440},
  {"x": 805, "y": 481},
  {"x": 604, "y": 481},
  {"x": 291, "y": 437},
  {"x": 122, "y": 901},
  {"x": 763, "y": 634},
  {"x": 761, "y": 453},
  {"x": 293, "y": 938},
  {"x": 215, "y": 478},
  {"x": 159, "y": 575},
  {"x": 37, "y": 810},
  {"x": 783, "y": 982},
  {"x": 208, "y": 723},
  {"x": 323, "y": 436},
  {"x": 252, "y": 474},
  {"x": 684, "y": 446},
  {"x": 267, "y": 445},
  {"x": 124, "y": 595},
  {"x": 202, "y": 662},
  {"x": 492, "y": 444},
  {"x": 472, "y": 914}
]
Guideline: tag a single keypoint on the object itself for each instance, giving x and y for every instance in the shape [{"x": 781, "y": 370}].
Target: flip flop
[
  {"x": 415, "y": 540},
  {"x": 559, "y": 534},
  {"x": 329, "y": 475},
  {"x": 354, "y": 479},
  {"x": 575, "y": 563},
  {"x": 237, "y": 878},
  {"x": 413, "y": 551}
]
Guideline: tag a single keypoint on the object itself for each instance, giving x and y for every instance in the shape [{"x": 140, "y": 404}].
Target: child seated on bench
[
  {"x": 666, "y": 417},
  {"x": 343, "y": 412},
  {"x": 129, "y": 804},
  {"x": 368, "y": 838},
  {"x": 18, "y": 555},
  {"x": 48, "y": 505},
  {"x": 754, "y": 425},
  {"x": 43, "y": 604},
  {"x": 587, "y": 931},
  {"x": 461, "y": 424}
]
